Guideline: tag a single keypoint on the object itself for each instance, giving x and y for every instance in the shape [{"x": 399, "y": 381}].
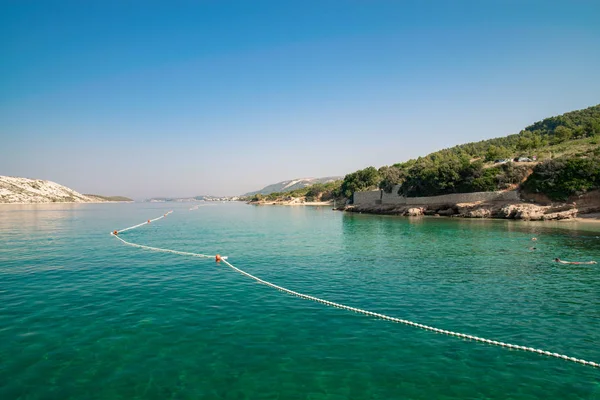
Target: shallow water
[{"x": 84, "y": 316}]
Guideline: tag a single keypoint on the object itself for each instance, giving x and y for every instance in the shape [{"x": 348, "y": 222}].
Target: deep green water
[{"x": 83, "y": 316}]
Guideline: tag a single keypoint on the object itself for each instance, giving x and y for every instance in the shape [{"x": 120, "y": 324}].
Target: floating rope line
[
  {"x": 358, "y": 310},
  {"x": 142, "y": 224},
  {"x": 181, "y": 253}
]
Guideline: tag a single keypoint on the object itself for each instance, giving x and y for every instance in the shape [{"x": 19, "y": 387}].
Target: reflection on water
[{"x": 23, "y": 217}]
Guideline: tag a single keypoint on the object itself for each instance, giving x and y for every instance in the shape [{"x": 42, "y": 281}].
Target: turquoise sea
[{"x": 83, "y": 316}]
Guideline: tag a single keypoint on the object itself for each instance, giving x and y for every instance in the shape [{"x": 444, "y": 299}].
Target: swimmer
[{"x": 574, "y": 262}]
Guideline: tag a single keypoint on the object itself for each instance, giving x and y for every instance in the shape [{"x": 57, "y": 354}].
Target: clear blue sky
[{"x": 146, "y": 98}]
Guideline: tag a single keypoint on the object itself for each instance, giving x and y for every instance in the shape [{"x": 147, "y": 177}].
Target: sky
[{"x": 185, "y": 98}]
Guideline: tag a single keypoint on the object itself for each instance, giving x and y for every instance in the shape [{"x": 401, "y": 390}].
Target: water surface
[{"x": 84, "y": 316}]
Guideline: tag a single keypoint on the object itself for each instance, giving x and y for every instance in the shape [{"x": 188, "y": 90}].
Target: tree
[
  {"x": 361, "y": 180},
  {"x": 561, "y": 134},
  {"x": 496, "y": 152},
  {"x": 390, "y": 177},
  {"x": 562, "y": 177},
  {"x": 315, "y": 191}
]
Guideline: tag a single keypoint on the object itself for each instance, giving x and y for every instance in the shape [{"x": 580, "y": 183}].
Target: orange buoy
[
  {"x": 115, "y": 233},
  {"x": 148, "y": 221},
  {"x": 218, "y": 258}
]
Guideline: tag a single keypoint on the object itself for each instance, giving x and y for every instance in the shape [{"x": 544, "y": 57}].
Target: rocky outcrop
[
  {"x": 534, "y": 212},
  {"x": 523, "y": 211},
  {"x": 414, "y": 212},
  {"x": 25, "y": 190},
  {"x": 586, "y": 204},
  {"x": 479, "y": 213},
  {"x": 445, "y": 212}
]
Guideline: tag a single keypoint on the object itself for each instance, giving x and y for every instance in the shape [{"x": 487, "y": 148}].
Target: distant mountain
[
  {"x": 288, "y": 186},
  {"x": 25, "y": 190}
]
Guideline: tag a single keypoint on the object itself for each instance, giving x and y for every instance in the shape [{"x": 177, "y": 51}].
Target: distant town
[{"x": 191, "y": 199}]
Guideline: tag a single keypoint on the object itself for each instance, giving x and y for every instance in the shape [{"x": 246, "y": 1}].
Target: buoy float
[
  {"x": 218, "y": 258},
  {"x": 115, "y": 233},
  {"x": 148, "y": 221}
]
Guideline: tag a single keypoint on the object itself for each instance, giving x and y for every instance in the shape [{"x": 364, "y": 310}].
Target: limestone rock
[
  {"x": 447, "y": 211},
  {"x": 415, "y": 212},
  {"x": 25, "y": 190},
  {"x": 508, "y": 211},
  {"x": 533, "y": 212},
  {"x": 479, "y": 213}
]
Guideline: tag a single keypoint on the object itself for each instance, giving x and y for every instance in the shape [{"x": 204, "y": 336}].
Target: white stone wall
[
  {"x": 371, "y": 198},
  {"x": 464, "y": 198},
  {"x": 368, "y": 198}
]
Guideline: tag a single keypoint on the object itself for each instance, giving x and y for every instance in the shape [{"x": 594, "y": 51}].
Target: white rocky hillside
[
  {"x": 293, "y": 184},
  {"x": 25, "y": 190}
]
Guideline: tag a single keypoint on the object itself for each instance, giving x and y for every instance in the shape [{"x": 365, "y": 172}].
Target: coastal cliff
[{"x": 14, "y": 190}]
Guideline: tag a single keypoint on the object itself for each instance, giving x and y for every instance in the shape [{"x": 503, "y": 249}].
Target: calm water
[{"x": 83, "y": 316}]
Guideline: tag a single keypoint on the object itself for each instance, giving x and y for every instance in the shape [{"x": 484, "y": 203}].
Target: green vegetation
[
  {"x": 292, "y": 185},
  {"x": 572, "y": 139},
  {"x": 317, "y": 192},
  {"x": 567, "y": 163},
  {"x": 363, "y": 179},
  {"x": 563, "y": 177}
]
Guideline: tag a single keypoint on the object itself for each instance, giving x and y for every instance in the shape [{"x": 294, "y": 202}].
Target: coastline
[
  {"x": 65, "y": 202},
  {"x": 291, "y": 203},
  {"x": 593, "y": 218},
  {"x": 491, "y": 210},
  {"x": 523, "y": 206}
]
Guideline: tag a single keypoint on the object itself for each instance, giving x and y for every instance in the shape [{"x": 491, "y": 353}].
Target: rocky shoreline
[
  {"x": 292, "y": 202},
  {"x": 528, "y": 210},
  {"x": 535, "y": 209}
]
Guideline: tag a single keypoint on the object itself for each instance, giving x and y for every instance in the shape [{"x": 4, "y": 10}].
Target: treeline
[
  {"x": 482, "y": 166},
  {"x": 550, "y": 131}
]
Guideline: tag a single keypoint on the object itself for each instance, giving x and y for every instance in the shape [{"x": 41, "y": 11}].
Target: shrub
[{"x": 562, "y": 177}]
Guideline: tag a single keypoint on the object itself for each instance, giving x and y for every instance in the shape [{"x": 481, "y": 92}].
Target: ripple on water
[{"x": 83, "y": 316}]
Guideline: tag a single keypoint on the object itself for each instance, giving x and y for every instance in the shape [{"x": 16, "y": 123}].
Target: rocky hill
[
  {"x": 25, "y": 190},
  {"x": 294, "y": 184},
  {"x": 558, "y": 157}
]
